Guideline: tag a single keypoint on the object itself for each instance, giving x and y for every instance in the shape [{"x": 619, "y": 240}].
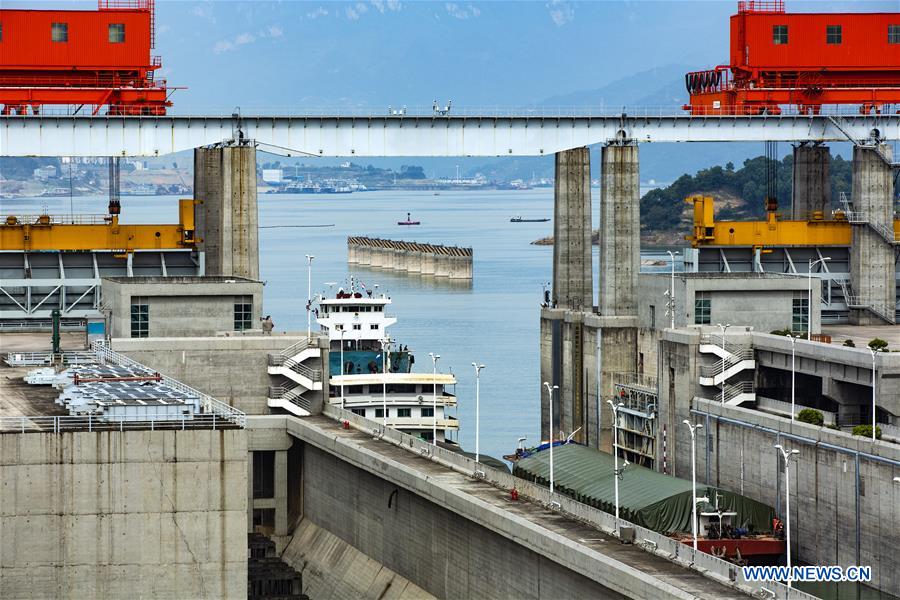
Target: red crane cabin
[
  {"x": 802, "y": 59},
  {"x": 81, "y": 58}
]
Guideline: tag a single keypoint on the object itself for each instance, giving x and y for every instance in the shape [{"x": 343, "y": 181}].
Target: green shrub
[
  {"x": 878, "y": 344},
  {"x": 833, "y": 426},
  {"x": 849, "y": 343},
  {"x": 866, "y": 431},
  {"x": 784, "y": 332},
  {"x": 811, "y": 416}
]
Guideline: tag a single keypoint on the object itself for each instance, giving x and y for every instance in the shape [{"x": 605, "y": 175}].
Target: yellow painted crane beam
[
  {"x": 772, "y": 232},
  {"x": 97, "y": 232}
]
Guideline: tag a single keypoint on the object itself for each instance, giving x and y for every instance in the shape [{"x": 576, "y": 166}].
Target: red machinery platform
[
  {"x": 804, "y": 60},
  {"x": 81, "y": 59}
]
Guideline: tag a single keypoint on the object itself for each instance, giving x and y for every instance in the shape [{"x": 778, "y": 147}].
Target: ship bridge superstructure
[{"x": 372, "y": 374}]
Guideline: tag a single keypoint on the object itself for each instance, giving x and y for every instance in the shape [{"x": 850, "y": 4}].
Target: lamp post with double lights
[
  {"x": 616, "y": 471},
  {"x": 550, "y": 404},
  {"x": 787, "y": 454},
  {"x": 874, "y": 352},
  {"x": 343, "y": 367},
  {"x": 385, "y": 350},
  {"x": 671, "y": 293},
  {"x": 478, "y": 369},
  {"x": 434, "y": 359},
  {"x": 693, "y": 429},
  {"x": 793, "y": 373}
]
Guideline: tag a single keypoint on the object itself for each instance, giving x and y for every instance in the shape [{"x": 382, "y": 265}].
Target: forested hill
[{"x": 739, "y": 194}]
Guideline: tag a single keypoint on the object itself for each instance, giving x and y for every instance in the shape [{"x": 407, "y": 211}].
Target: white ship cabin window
[
  {"x": 354, "y": 389},
  {"x": 404, "y": 412},
  {"x": 360, "y": 412},
  {"x": 357, "y": 326},
  {"x": 427, "y": 412},
  {"x": 379, "y": 413},
  {"x": 373, "y": 326},
  {"x": 339, "y": 327}
]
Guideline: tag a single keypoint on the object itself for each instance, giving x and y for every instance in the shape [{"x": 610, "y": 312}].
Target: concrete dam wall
[
  {"x": 123, "y": 514},
  {"x": 451, "y": 262}
]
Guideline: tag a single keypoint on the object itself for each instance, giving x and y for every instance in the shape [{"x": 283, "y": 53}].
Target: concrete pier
[
  {"x": 811, "y": 191},
  {"x": 226, "y": 216},
  {"x": 620, "y": 229},
  {"x": 872, "y": 255},
  {"x": 450, "y": 262},
  {"x": 572, "y": 270}
]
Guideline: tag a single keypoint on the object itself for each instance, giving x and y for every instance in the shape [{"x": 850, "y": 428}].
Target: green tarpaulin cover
[{"x": 646, "y": 498}]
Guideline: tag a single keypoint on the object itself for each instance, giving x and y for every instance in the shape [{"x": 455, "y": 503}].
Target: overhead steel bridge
[{"x": 415, "y": 135}]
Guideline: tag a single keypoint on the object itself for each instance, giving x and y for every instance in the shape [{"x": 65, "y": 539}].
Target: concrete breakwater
[{"x": 451, "y": 262}]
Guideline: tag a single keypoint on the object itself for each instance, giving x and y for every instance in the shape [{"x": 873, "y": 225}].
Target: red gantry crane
[
  {"x": 83, "y": 59},
  {"x": 804, "y": 60}
]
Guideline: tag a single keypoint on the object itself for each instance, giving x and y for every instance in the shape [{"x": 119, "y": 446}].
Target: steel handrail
[
  {"x": 726, "y": 363},
  {"x": 311, "y": 374},
  {"x": 91, "y": 422}
]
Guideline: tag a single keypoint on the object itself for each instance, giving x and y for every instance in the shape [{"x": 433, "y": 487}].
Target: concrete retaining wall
[
  {"x": 410, "y": 257},
  {"x": 449, "y": 556},
  {"x": 123, "y": 514},
  {"x": 845, "y": 508}
]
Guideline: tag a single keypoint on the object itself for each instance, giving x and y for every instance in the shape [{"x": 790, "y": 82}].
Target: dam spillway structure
[{"x": 451, "y": 262}]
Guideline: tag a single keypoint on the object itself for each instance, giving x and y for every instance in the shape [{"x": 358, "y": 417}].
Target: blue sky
[{"x": 297, "y": 54}]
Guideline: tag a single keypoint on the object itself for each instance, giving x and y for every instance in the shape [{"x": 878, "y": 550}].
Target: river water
[{"x": 495, "y": 321}]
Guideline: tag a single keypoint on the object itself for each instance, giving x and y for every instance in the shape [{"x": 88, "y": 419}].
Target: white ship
[{"x": 369, "y": 372}]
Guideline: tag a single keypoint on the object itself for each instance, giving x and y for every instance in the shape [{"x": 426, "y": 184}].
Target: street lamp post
[
  {"x": 874, "y": 352},
  {"x": 478, "y": 369},
  {"x": 550, "y": 403},
  {"x": 434, "y": 359},
  {"x": 793, "y": 387},
  {"x": 672, "y": 292},
  {"x": 616, "y": 472},
  {"x": 385, "y": 349},
  {"x": 309, "y": 259},
  {"x": 812, "y": 263},
  {"x": 787, "y": 502},
  {"x": 343, "y": 369},
  {"x": 693, "y": 429},
  {"x": 724, "y": 328}
]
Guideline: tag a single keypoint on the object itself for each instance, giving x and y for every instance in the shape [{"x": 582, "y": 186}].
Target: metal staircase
[
  {"x": 886, "y": 231},
  {"x": 733, "y": 360},
  {"x": 881, "y": 310},
  {"x": 293, "y": 394}
]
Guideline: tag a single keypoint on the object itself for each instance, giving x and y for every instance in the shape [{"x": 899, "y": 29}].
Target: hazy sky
[{"x": 293, "y": 54}]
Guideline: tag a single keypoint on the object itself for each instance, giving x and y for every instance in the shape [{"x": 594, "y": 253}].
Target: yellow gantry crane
[
  {"x": 97, "y": 232},
  {"x": 816, "y": 231}
]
